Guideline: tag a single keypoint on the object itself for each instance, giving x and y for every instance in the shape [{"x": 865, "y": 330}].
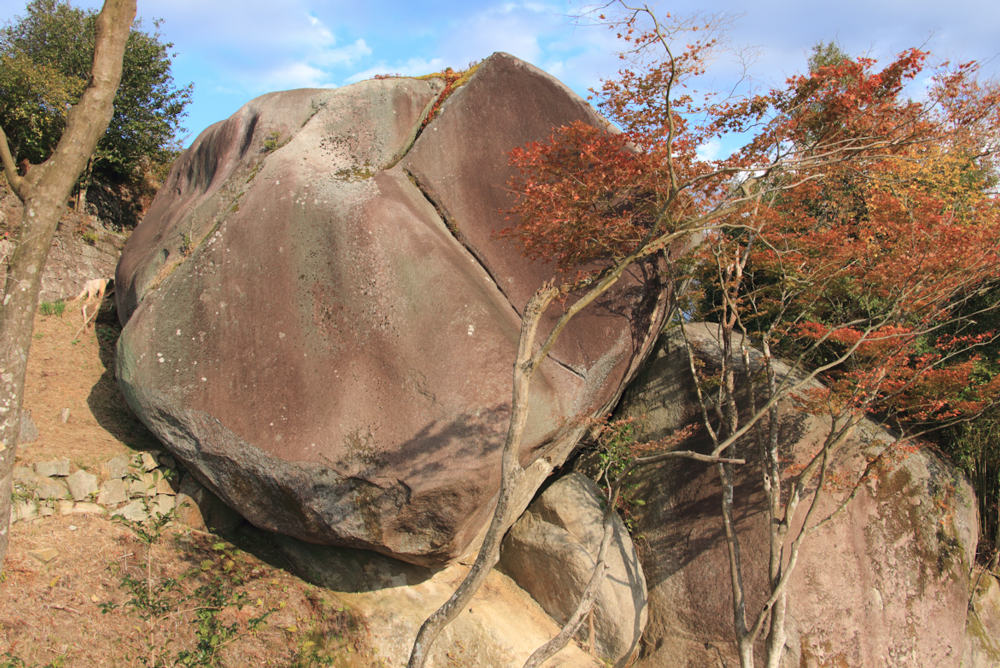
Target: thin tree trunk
[
  {"x": 510, "y": 472},
  {"x": 44, "y": 191}
]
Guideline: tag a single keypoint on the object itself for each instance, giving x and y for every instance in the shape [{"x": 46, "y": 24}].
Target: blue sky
[{"x": 234, "y": 50}]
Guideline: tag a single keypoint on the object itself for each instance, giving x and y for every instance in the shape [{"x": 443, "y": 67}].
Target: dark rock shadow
[
  {"x": 340, "y": 569},
  {"x": 105, "y": 399}
]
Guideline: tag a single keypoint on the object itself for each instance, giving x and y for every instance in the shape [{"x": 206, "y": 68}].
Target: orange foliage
[{"x": 852, "y": 216}]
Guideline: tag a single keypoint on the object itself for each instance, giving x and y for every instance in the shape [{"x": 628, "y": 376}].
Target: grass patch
[{"x": 52, "y": 308}]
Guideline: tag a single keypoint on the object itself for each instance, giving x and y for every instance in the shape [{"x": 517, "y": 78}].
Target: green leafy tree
[{"x": 46, "y": 56}]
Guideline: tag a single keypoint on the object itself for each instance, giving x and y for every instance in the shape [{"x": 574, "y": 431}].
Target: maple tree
[{"x": 850, "y": 232}]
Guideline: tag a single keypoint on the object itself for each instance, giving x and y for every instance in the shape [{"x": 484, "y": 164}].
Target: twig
[{"x": 86, "y": 321}]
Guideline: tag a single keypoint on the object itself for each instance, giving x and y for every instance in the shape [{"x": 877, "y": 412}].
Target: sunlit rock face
[
  {"x": 885, "y": 583},
  {"x": 321, "y": 322}
]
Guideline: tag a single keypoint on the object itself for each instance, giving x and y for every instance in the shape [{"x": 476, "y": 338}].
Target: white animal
[{"x": 94, "y": 288}]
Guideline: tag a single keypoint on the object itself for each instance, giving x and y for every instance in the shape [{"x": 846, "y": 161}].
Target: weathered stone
[
  {"x": 332, "y": 361},
  {"x": 29, "y": 432},
  {"x": 165, "y": 485},
  {"x": 112, "y": 492},
  {"x": 147, "y": 461},
  {"x": 25, "y": 476},
  {"x": 136, "y": 487},
  {"x": 82, "y": 484},
  {"x": 64, "y": 507},
  {"x": 164, "y": 504},
  {"x": 883, "y": 584},
  {"x": 200, "y": 509},
  {"x": 50, "y": 488},
  {"x": 134, "y": 511},
  {"x": 551, "y": 551},
  {"x": 144, "y": 484},
  {"x": 45, "y": 555},
  {"x": 46, "y": 511},
  {"x": 500, "y": 628},
  {"x": 116, "y": 468},
  {"x": 982, "y": 633},
  {"x": 167, "y": 462},
  {"x": 64, "y": 415},
  {"x": 87, "y": 508},
  {"x": 71, "y": 259},
  {"x": 50, "y": 469},
  {"x": 23, "y": 509}
]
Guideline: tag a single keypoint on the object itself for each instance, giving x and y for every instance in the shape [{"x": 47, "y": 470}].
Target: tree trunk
[{"x": 44, "y": 191}]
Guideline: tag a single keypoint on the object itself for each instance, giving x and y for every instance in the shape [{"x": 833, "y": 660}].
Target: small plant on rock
[{"x": 273, "y": 141}]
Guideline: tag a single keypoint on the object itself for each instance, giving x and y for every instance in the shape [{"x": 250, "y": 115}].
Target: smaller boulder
[
  {"x": 51, "y": 489},
  {"x": 82, "y": 484},
  {"x": 25, "y": 509},
  {"x": 200, "y": 509},
  {"x": 25, "y": 476},
  {"x": 116, "y": 468},
  {"x": 163, "y": 505},
  {"x": 49, "y": 469},
  {"x": 147, "y": 461},
  {"x": 86, "y": 508},
  {"x": 134, "y": 511},
  {"x": 29, "y": 432},
  {"x": 112, "y": 492},
  {"x": 550, "y": 552}
]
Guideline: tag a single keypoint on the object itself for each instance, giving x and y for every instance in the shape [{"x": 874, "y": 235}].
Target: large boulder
[
  {"x": 883, "y": 584},
  {"x": 551, "y": 552},
  {"x": 311, "y": 332}
]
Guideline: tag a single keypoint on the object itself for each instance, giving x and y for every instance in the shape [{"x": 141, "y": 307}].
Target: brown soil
[{"x": 50, "y": 610}]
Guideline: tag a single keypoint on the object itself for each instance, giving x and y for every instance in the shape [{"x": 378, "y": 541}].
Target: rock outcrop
[
  {"x": 884, "y": 584},
  {"x": 982, "y": 640},
  {"x": 320, "y": 324},
  {"x": 551, "y": 552}
]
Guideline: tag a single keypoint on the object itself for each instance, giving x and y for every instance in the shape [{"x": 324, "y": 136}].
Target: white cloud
[
  {"x": 709, "y": 150},
  {"x": 293, "y": 75},
  {"x": 345, "y": 55}
]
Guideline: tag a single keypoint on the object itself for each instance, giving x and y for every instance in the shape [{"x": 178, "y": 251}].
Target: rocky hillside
[{"x": 319, "y": 324}]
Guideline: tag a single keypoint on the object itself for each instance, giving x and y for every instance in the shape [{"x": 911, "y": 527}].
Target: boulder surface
[
  {"x": 310, "y": 332},
  {"x": 550, "y": 552},
  {"x": 883, "y": 584}
]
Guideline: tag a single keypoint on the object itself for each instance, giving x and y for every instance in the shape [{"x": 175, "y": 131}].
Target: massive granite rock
[
  {"x": 321, "y": 325},
  {"x": 884, "y": 584}
]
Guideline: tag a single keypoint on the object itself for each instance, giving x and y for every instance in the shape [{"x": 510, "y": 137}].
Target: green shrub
[
  {"x": 273, "y": 141},
  {"x": 52, "y": 308}
]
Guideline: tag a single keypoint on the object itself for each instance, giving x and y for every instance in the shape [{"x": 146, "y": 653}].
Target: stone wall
[{"x": 82, "y": 249}]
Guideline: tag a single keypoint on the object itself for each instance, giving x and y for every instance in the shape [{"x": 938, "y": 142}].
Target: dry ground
[{"x": 60, "y": 570}]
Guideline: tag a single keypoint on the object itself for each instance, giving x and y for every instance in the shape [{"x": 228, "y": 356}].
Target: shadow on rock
[
  {"x": 339, "y": 569},
  {"x": 105, "y": 400}
]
